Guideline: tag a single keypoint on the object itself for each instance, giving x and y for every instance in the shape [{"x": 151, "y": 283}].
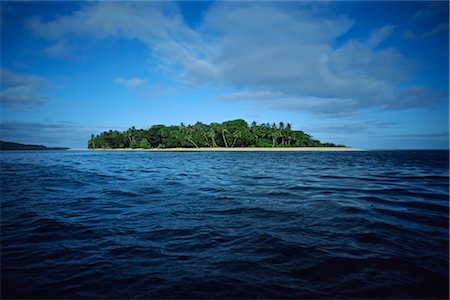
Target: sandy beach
[{"x": 222, "y": 149}]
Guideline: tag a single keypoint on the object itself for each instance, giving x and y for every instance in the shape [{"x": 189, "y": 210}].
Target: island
[
  {"x": 234, "y": 134},
  {"x": 17, "y": 146}
]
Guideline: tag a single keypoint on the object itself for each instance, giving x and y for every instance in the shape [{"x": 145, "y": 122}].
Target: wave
[{"x": 225, "y": 225}]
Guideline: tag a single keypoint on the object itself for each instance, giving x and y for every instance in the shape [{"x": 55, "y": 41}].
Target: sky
[{"x": 371, "y": 75}]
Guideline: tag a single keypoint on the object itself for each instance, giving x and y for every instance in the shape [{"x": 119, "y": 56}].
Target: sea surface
[{"x": 118, "y": 224}]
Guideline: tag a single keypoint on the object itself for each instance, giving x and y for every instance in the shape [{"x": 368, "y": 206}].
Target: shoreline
[{"x": 240, "y": 149}]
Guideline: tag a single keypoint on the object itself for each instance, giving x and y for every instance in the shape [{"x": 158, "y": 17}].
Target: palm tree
[
  {"x": 189, "y": 136},
  {"x": 223, "y": 130},
  {"x": 202, "y": 129},
  {"x": 237, "y": 134},
  {"x": 214, "y": 129},
  {"x": 187, "y": 133},
  {"x": 212, "y": 136},
  {"x": 289, "y": 133},
  {"x": 131, "y": 134},
  {"x": 255, "y": 130},
  {"x": 281, "y": 132},
  {"x": 91, "y": 143},
  {"x": 274, "y": 134}
]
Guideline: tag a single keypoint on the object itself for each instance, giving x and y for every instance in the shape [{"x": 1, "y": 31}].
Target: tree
[
  {"x": 288, "y": 133},
  {"x": 134, "y": 145},
  {"x": 237, "y": 134},
  {"x": 187, "y": 133},
  {"x": 281, "y": 133},
  {"x": 212, "y": 133},
  {"x": 255, "y": 131},
  {"x": 274, "y": 134},
  {"x": 170, "y": 137},
  {"x": 223, "y": 130},
  {"x": 200, "y": 134},
  {"x": 144, "y": 144},
  {"x": 233, "y": 133},
  {"x": 233, "y": 130},
  {"x": 131, "y": 136},
  {"x": 91, "y": 142}
]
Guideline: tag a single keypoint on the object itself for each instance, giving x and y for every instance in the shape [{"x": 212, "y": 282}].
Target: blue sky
[{"x": 366, "y": 74}]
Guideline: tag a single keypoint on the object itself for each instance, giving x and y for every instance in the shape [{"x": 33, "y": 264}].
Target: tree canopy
[{"x": 234, "y": 133}]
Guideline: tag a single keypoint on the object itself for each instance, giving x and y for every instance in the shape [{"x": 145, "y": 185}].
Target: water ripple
[{"x": 224, "y": 225}]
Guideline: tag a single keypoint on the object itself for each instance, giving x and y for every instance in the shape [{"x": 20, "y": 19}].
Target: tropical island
[{"x": 229, "y": 135}]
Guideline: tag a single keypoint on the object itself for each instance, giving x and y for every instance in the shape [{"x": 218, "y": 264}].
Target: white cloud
[
  {"x": 21, "y": 91},
  {"x": 337, "y": 107},
  {"x": 409, "y": 34},
  {"x": 379, "y": 35},
  {"x": 425, "y": 21},
  {"x": 250, "y": 95},
  {"x": 351, "y": 128},
  {"x": 130, "y": 83},
  {"x": 58, "y": 50},
  {"x": 142, "y": 88},
  {"x": 155, "y": 24},
  {"x": 287, "y": 51},
  {"x": 418, "y": 96},
  {"x": 431, "y": 9},
  {"x": 13, "y": 79}
]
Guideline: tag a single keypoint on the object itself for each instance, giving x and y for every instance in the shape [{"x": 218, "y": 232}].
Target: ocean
[{"x": 119, "y": 224}]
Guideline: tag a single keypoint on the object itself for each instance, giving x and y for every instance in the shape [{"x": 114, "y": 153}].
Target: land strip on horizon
[{"x": 223, "y": 149}]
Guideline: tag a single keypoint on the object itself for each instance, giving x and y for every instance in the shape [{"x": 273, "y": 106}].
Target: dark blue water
[{"x": 79, "y": 224}]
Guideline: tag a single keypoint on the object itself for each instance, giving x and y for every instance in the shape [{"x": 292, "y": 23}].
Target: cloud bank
[
  {"x": 284, "y": 56},
  {"x": 21, "y": 91},
  {"x": 53, "y": 134}
]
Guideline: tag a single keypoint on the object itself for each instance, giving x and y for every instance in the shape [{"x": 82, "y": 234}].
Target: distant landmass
[
  {"x": 17, "y": 146},
  {"x": 230, "y": 134}
]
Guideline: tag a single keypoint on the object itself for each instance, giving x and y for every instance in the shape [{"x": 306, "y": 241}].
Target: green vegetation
[{"x": 235, "y": 133}]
